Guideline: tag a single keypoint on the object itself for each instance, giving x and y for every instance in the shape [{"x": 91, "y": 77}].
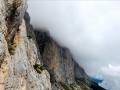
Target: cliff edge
[
  {"x": 32, "y": 60},
  {"x": 18, "y": 53}
]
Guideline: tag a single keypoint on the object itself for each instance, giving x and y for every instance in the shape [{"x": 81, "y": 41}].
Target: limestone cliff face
[
  {"x": 65, "y": 73},
  {"x": 25, "y": 67},
  {"x": 19, "y": 56}
]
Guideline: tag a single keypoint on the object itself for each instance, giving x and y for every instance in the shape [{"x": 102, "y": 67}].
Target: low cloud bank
[
  {"x": 90, "y": 29},
  {"x": 111, "y": 76}
]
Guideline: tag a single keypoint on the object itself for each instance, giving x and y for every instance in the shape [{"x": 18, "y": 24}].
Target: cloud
[
  {"x": 90, "y": 29},
  {"x": 112, "y": 70},
  {"x": 111, "y": 76}
]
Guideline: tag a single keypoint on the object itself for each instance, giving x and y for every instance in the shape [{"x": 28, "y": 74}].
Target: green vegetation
[
  {"x": 75, "y": 86},
  {"x": 65, "y": 87},
  {"x": 78, "y": 85},
  {"x": 11, "y": 48},
  {"x": 39, "y": 68}
]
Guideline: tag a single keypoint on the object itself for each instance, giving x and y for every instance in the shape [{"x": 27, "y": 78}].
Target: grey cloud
[{"x": 89, "y": 29}]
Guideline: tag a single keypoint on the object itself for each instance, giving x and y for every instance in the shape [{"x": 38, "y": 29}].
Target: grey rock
[
  {"x": 25, "y": 67},
  {"x": 18, "y": 53},
  {"x": 59, "y": 62}
]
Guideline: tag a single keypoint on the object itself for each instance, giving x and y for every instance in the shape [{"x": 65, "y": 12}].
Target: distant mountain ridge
[{"x": 93, "y": 79}]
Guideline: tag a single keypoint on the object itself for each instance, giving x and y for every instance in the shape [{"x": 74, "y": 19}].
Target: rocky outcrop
[
  {"x": 20, "y": 63},
  {"x": 25, "y": 67},
  {"x": 65, "y": 73}
]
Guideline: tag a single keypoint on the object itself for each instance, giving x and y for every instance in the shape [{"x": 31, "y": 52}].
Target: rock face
[
  {"x": 19, "y": 56},
  {"x": 65, "y": 73},
  {"x": 25, "y": 67}
]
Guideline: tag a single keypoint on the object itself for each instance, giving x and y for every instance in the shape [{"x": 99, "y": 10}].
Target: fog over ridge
[{"x": 89, "y": 29}]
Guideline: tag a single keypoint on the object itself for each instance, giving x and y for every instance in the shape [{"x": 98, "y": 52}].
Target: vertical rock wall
[
  {"x": 18, "y": 53},
  {"x": 64, "y": 71},
  {"x": 23, "y": 66}
]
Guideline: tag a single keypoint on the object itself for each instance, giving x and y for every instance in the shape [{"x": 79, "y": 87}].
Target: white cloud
[
  {"x": 89, "y": 28},
  {"x": 112, "y": 70},
  {"x": 111, "y": 76}
]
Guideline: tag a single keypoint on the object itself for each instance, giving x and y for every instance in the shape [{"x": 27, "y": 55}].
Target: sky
[{"x": 89, "y": 28}]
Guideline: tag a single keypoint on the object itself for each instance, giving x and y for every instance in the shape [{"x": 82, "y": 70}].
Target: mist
[{"x": 90, "y": 29}]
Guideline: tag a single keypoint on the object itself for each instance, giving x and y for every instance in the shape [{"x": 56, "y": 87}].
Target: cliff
[
  {"x": 18, "y": 53},
  {"x": 65, "y": 72},
  {"x": 32, "y": 60}
]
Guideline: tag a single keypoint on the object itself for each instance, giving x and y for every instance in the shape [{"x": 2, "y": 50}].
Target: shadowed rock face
[
  {"x": 60, "y": 63},
  {"x": 23, "y": 66},
  {"x": 65, "y": 73}
]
